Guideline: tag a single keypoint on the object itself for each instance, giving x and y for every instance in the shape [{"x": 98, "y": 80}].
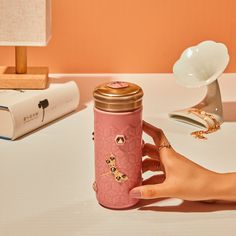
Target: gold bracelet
[{"x": 200, "y": 134}]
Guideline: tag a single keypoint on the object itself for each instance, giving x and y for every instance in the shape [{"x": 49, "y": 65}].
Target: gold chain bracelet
[{"x": 200, "y": 134}]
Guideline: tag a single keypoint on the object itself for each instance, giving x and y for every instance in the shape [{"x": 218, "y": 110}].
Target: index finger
[
  {"x": 156, "y": 133},
  {"x": 160, "y": 141}
]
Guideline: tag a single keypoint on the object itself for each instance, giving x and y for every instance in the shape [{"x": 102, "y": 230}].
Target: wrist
[{"x": 224, "y": 186}]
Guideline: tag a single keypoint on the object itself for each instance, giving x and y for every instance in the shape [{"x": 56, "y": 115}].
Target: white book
[{"x": 22, "y": 111}]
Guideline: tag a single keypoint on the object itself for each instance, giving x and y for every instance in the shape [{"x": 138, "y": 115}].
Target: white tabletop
[{"x": 46, "y": 177}]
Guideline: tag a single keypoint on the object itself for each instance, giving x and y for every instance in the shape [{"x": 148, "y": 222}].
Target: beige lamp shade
[{"x": 25, "y": 22}]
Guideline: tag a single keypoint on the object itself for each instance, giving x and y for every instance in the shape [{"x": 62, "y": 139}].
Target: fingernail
[{"x": 135, "y": 193}]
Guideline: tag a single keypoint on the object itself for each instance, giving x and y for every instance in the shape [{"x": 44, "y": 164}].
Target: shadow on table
[
  {"x": 229, "y": 111},
  {"x": 186, "y": 206},
  {"x": 86, "y": 217}
]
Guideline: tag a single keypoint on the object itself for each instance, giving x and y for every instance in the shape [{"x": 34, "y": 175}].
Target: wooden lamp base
[
  {"x": 21, "y": 76},
  {"x": 35, "y": 78}
]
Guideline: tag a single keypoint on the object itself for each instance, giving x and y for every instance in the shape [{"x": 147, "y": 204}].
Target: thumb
[{"x": 149, "y": 191}]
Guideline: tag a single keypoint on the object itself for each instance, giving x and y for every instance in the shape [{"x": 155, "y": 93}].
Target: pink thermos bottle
[{"x": 118, "y": 143}]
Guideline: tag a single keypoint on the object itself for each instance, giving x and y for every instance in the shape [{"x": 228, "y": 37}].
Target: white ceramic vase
[{"x": 198, "y": 66}]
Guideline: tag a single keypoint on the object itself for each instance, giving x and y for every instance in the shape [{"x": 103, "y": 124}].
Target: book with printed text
[{"x": 22, "y": 111}]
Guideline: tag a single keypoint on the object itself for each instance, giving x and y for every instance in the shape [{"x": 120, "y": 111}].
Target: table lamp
[{"x": 24, "y": 23}]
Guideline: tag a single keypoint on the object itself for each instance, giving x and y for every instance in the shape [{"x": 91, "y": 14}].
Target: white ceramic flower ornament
[{"x": 198, "y": 66}]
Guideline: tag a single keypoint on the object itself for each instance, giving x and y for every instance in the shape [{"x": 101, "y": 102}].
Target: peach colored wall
[{"x": 96, "y": 36}]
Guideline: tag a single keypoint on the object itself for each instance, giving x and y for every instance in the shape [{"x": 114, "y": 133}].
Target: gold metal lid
[{"x": 118, "y": 96}]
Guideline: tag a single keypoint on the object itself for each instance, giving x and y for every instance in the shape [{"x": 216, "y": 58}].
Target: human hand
[{"x": 181, "y": 177}]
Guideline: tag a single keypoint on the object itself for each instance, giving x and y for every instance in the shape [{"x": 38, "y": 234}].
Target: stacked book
[{"x": 22, "y": 111}]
